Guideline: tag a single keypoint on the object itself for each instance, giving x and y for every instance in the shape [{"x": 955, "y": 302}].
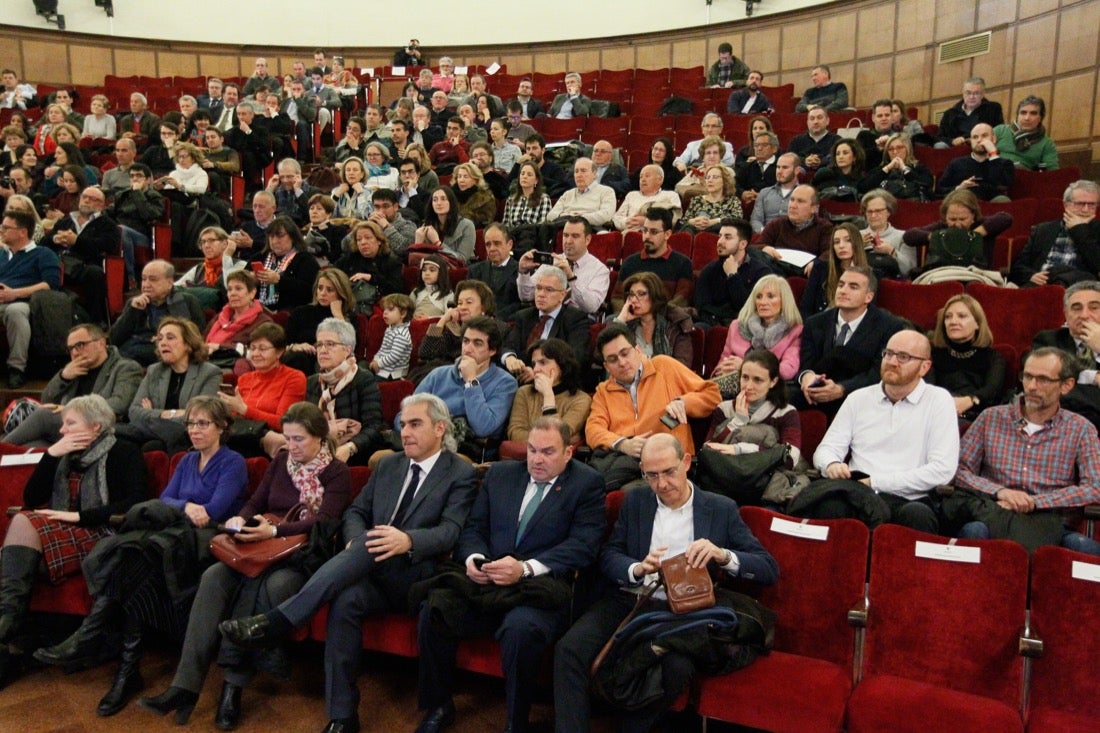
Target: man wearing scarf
[{"x": 1025, "y": 142}]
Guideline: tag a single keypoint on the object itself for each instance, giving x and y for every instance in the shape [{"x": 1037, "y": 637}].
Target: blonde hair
[{"x": 788, "y": 309}]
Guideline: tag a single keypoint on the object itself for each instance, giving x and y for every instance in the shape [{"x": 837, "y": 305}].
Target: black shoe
[
  {"x": 124, "y": 688},
  {"x": 437, "y": 719},
  {"x": 85, "y": 647},
  {"x": 342, "y": 725},
  {"x": 173, "y": 699},
  {"x": 228, "y": 714},
  {"x": 253, "y": 632},
  {"x": 16, "y": 379}
]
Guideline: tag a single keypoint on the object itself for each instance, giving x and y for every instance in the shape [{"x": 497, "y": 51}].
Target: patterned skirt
[{"x": 64, "y": 544}]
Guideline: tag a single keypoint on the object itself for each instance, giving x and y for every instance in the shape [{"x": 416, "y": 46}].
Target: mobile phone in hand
[{"x": 669, "y": 421}]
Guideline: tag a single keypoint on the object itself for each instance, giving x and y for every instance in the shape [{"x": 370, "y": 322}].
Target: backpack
[
  {"x": 200, "y": 218},
  {"x": 675, "y": 106},
  {"x": 52, "y": 314},
  {"x": 955, "y": 247}
]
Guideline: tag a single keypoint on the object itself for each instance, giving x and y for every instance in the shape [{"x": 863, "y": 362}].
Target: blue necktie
[
  {"x": 407, "y": 497},
  {"x": 531, "y": 508}
]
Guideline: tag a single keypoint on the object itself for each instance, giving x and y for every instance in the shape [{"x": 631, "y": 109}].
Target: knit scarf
[
  {"x": 212, "y": 271},
  {"x": 227, "y": 328},
  {"x": 332, "y": 382},
  {"x": 1025, "y": 140},
  {"x": 378, "y": 170},
  {"x": 306, "y": 477},
  {"x": 464, "y": 196},
  {"x": 760, "y": 336},
  {"x": 269, "y": 292},
  {"x": 92, "y": 463}
]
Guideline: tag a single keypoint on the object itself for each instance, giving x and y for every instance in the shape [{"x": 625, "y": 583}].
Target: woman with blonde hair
[
  {"x": 964, "y": 361},
  {"x": 769, "y": 320},
  {"x": 900, "y": 172},
  {"x": 475, "y": 200},
  {"x": 99, "y": 124}
]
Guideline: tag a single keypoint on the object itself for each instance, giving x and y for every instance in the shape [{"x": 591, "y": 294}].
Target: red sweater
[{"x": 269, "y": 394}]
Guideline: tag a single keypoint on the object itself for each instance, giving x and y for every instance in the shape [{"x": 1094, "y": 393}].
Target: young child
[
  {"x": 433, "y": 295},
  {"x": 392, "y": 359}
]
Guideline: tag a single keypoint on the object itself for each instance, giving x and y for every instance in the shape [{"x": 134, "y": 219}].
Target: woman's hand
[
  {"x": 727, "y": 366},
  {"x": 741, "y": 405},
  {"x": 451, "y": 316},
  {"x": 340, "y": 190},
  {"x": 263, "y": 531},
  {"x": 337, "y": 307},
  {"x": 365, "y": 277},
  {"x": 76, "y": 440},
  {"x": 962, "y": 404},
  {"x": 700, "y": 222},
  {"x": 197, "y": 514},
  {"x": 727, "y": 448},
  {"x": 625, "y": 313},
  {"x": 544, "y": 385},
  {"x": 234, "y": 401},
  {"x": 70, "y": 517},
  {"x": 343, "y": 453}
]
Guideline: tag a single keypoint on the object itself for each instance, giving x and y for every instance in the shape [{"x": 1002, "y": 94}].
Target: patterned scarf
[
  {"x": 212, "y": 271},
  {"x": 1025, "y": 140},
  {"x": 306, "y": 477},
  {"x": 91, "y": 463},
  {"x": 378, "y": 170},
  {"x": 269, "y": 292},
  {"x": 760, "y": 336},
  {"x": 332, "y": 382}
]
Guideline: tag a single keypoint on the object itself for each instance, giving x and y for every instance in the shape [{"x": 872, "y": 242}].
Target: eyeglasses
[
  {"x": 1039, "y": 379},
  {"x": 614, "y": 359},
  {"x": 901, "y": 357},
  {"x": 261, "y": 349},
  {"x": 654, "y": 476},
  {"x": 1083, "y": 204},
  {"x": 200, "y": 424},
  {"x": 639, "y": 294},
  {"x": 876, "y": 211},
  {"x": 79, "y": 345},
  {"x": 328, "y": 345},
  {"x": 547, "y": 289}
]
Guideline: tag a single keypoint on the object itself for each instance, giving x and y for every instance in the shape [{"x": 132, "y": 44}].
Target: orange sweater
[{"x": 269, "y": 394}]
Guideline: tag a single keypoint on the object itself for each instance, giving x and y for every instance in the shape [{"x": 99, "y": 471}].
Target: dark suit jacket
[
  {"x": 856, "y": 364},
  {"x": 714, "y": 517},
  {"x": 98, "y": 238},
  {"x": 1086, "y": 241},
  {"x": 534, "y": 107},
  {"x": 149, "y": 127},
  {"x": 580, "y": 105},
  {"x": 751, "y": 178},
  {"x": 215, "y": 106},
  {"x": 739, "y": 97},
  {"x": 438, "y": 509},
  {"x": 618, "y": 178},
  {"x": 1084, "y": 399},
  {"x": 805, "y": 146},
  {"x": 505, "y": 291},
  {"x": 564, "y": 532},
  {"x": 571, "y": 326}
]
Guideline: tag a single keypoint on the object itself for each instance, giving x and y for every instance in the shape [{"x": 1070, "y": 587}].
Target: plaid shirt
[{"x": 1059, "y": 465}]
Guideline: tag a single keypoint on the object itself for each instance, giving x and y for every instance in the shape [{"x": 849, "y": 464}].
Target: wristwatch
[
  {"x": 473, "y": 383},
  {"x": 528, "y": 571}
]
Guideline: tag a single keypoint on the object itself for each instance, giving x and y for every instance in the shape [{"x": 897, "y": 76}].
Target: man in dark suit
[
  {"x": 842, "y": 346},
  {"x": 532, "y": 526},
  {"x": 1069, "y": 247},
  {"x": 499, "y": 270},
  {"x": 406, "y": 518},
  {"x": 292, "y": 194},
  {"x": 212, "y": 100},
  {"x": 554, "y": 179},
  {"x": 1080, "y": 337},
  {"x": 140, "y": 124},
  {"x": 530, "y": 106},
  {"x": 711, "y": 534},
  {"x": 549, "y": 318},
  {"x": 749, "y": 100},
  {"x": 81, "y": 240},
  {"x": 610, "y": 174},
  {"x": 249, "y": 137}
]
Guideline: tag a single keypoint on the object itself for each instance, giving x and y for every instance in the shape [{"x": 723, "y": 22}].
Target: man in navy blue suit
[
  {"x": 673, "y": 518},
  {"x": 531, "y": 525}
]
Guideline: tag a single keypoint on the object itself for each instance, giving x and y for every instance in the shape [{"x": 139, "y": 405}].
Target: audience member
[
  {"x": 659, "y": 258},
  {"x": 826, "y": 93},
  {"x": 749, "y": 99},
  {"x": 958, "y": 121},
  {"x": 815, "y": 145},
  {"x": 772, "y": 202},
  {"x": 631, "y": 215},
  {"x": 803, "y": 228},
  {"x": 588, "y": 278},
  {"x": 571, "y": 103},
  {"x": 757, "y": 171},
  {"x": 1080, "y": 336},
  {"x": 593, "y": 201},
  {"x": 554, "y": 179},
  {"x": 693, "y": 152},
  {"x": 839, "y": 179},
  {"x": 960, "y": 210},
  {"x": 549, "y": 317},
  {"x": 499, "y": 270},
  {"x": 984, "y": 171},
  {"x": 723, "y": 286},
  {"x": 135, "y": 328},
  {"x": 530, "y": 107},
  {"x": 555, "y": 391},
  {"x": 902, "y": 174},
  {"x": 1025, "y": 142},
  {"x": 880, "y": 237},
  {"x": 660, "y": 154},
  {"x": 445, "y": 228},
  {"x": 81, "y": 240},
  {"x": 824, "y": 276},
  {"x": 717, "y": 201},
  {"x": 728, "y": 71},
  {"x": 964, "y": 361},
  {"x": 391, "y": 361},
  {"x": 1065, "y": 251},
  {"x": 658, "y": 327},
  {"x": 769, "y": 320},
  {"x": 25, "y": 268}
]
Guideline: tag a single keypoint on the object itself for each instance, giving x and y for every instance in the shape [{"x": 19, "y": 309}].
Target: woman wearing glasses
[
  {"x": 146, "y": 578},
  {"x": 659, "y": 328}
]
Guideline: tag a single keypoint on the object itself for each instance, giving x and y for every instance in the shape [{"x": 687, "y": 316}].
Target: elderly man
[
  {"x": 594, "y": 201},
  {"x": 1080, "y": 336},
  {"x": 140, "y": 121},
  {"x": 659, "y": 258},
  {"x": 772, "y": 202},
  {"x": 631, "y": 215},
  {"x": 439, "y": 110},
  {"x": 399, "y": 529},
  {"x": 802, "y": 228},
  {"x": 588, "y": 278},
  {"x": 637, "y": 400},
  {"x": 529, "y": 106},
  {"x": 890, "y": 445},
  {"x": 724, "y": 285},
  {"x": 499, "y": 270},
  {"x": 1067, "y": 250},
  {"x": 227, "y": 116},
  {"x": 571, "y": 103},
  {"x": 81, "y": 240},
  {"x": 815, "y": 146},
  {"x": 94, "y": 368},
  {"x": 608, "y": 173},
  {"x": 424, "y": 86},
  {"x": 533, "y": 526},
  {"x": 749, "y": 100},
  {"x": 984, "y": 171},
  {"x": 424, "y": 131},
  {"x": 758, "y": 172},
  {"x": 445, "y": 79},
  {"x": 134, "y": 330},
  {"x": 25, "y": 268},
  {"x": 972, "y": 109},
  {"x": 15, "y": 95},
  {"x": 291, "y": 193},
  {"x": 117, "y": 179},
  {"x": 673, "y": 517},
  {"x": 1026, "y": 142},
  {"x": 549, "y": 318},
  {"x": 832, "y": 95},
  {"x": 728, "y": 71},
  {"x": 212, "y": 100},
  {"x": 261, "y": 79},
  {"x": 252, "y": 143},
  {"x": 252, "y": 235},
  {"x": 712, "y": 125},
  {"x": 1035, "y": 477}
]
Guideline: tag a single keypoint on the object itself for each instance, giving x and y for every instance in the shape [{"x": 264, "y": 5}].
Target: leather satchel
[
  {"x": 688, "y": 589},
  {"x": 251, "y": 559}
]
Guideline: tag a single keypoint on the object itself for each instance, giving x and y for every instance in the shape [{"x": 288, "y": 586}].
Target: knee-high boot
[
  {"x": 128, "y": 681},
  {"x": 18, "y": 567},
  {"x": 85, "y": 646}
]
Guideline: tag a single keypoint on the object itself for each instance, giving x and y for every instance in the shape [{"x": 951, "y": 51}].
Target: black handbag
[{"x": 742, "y": 478}]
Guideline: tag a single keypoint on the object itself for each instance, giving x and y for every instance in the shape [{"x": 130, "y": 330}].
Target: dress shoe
[
  {"x": 173, "y": 699},
  {"x": 254, "y": 632},
  {"x": 16, "y": 379},
  {"x": 437, "y": 719},
  {"x": 229, "y": 707},
  {"x": 342, "y": 725}
]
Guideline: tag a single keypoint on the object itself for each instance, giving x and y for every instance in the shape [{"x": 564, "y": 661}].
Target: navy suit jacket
[
  {"x": 571, "y": 326},
  {"x": 846, "y": 365},
  {"x": 714, "y": 517},
  {"x": 438, "y": 509},
  {"x": 737, "y": 100},
  {"x": 565, "y": 531}
]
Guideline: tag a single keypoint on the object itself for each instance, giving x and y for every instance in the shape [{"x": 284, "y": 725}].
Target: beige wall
[{"x": 878, "y": 47}]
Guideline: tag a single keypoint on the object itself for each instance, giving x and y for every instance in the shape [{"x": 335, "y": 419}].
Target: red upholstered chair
[
  {"x": 1015, "y": 316},
  {"x": 712, "y": 347},
  {"x": 804, "y": 683},
  {"x": 392, "y": 393},
  {"x": 942, "y": 637},
  {"x": 1042, "y": 184},
  {"x": 814, "y": 424},
  {"x": 918, "y": 303},
  {"x": 704, "y": 250},
  {"x": 1065, "y": 615}
]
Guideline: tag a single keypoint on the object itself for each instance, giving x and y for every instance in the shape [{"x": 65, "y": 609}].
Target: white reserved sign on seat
[
  {"x": 21, "y": 459},
  {"x": 951, "y": 553},
  {"x": 798, "y": 529},
  {"x": 1086, "y": 571}
]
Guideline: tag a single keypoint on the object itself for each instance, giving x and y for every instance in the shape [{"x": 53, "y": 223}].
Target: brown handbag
[
  {"x": 251, "y": 559},
  {"x": 688, "y": 589}
]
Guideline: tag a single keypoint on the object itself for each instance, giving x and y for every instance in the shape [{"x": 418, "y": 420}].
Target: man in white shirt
[
  {"x": 588, "y": 278},
  {"x": 14, "y": 94},
  {"x": 594, "y": 201},
  {"x": 631, "y": 215},
  {"x": 901, "y": 437}
]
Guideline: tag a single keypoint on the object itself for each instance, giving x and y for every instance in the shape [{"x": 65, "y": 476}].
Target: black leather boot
[
  {"x": 128, "y": 680},
  {"x": 84, "y": 647},
  {"x": 18, "y": 567},
  {"x": 229, "y": 707}
]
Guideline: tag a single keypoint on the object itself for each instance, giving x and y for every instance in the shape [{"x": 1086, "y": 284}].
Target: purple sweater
[{"x": 277, "y": 495}]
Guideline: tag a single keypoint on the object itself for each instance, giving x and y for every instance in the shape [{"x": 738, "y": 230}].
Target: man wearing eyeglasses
[
  {"x": 671, "y": 518},
  {"x": 641, "y": 398},
  {"x": 25, "y": 268},
  {"x": 1081, "y": 338},
  {"x": 1031, "y": 462},
  {"x": 1066, "y": 251},
  {"x": 93, "y": 368},
  {"x": 81, "y": 240},
  {"x": 890, "y": 445},
  {"x": 550, "y": 317}
]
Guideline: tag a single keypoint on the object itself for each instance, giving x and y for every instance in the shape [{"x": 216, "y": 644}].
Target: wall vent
[{"x": 965, "y": 48}]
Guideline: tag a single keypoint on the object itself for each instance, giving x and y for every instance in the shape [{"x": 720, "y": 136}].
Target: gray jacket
[{"x": 117, "y": 383}]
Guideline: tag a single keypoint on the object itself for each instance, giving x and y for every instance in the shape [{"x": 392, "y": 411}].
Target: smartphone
[
  {"x": 480, "y": 561},
  {"x": 819, "y": 382},
  {"x": 257, "y": 266},
  {"x": 254, "y": 522},
  {"x": 227, "y": 388},
  {"x": 543, "y": 258},
  {"x": 630, "y": 308},
  {"x": 669, "y": 421}
]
